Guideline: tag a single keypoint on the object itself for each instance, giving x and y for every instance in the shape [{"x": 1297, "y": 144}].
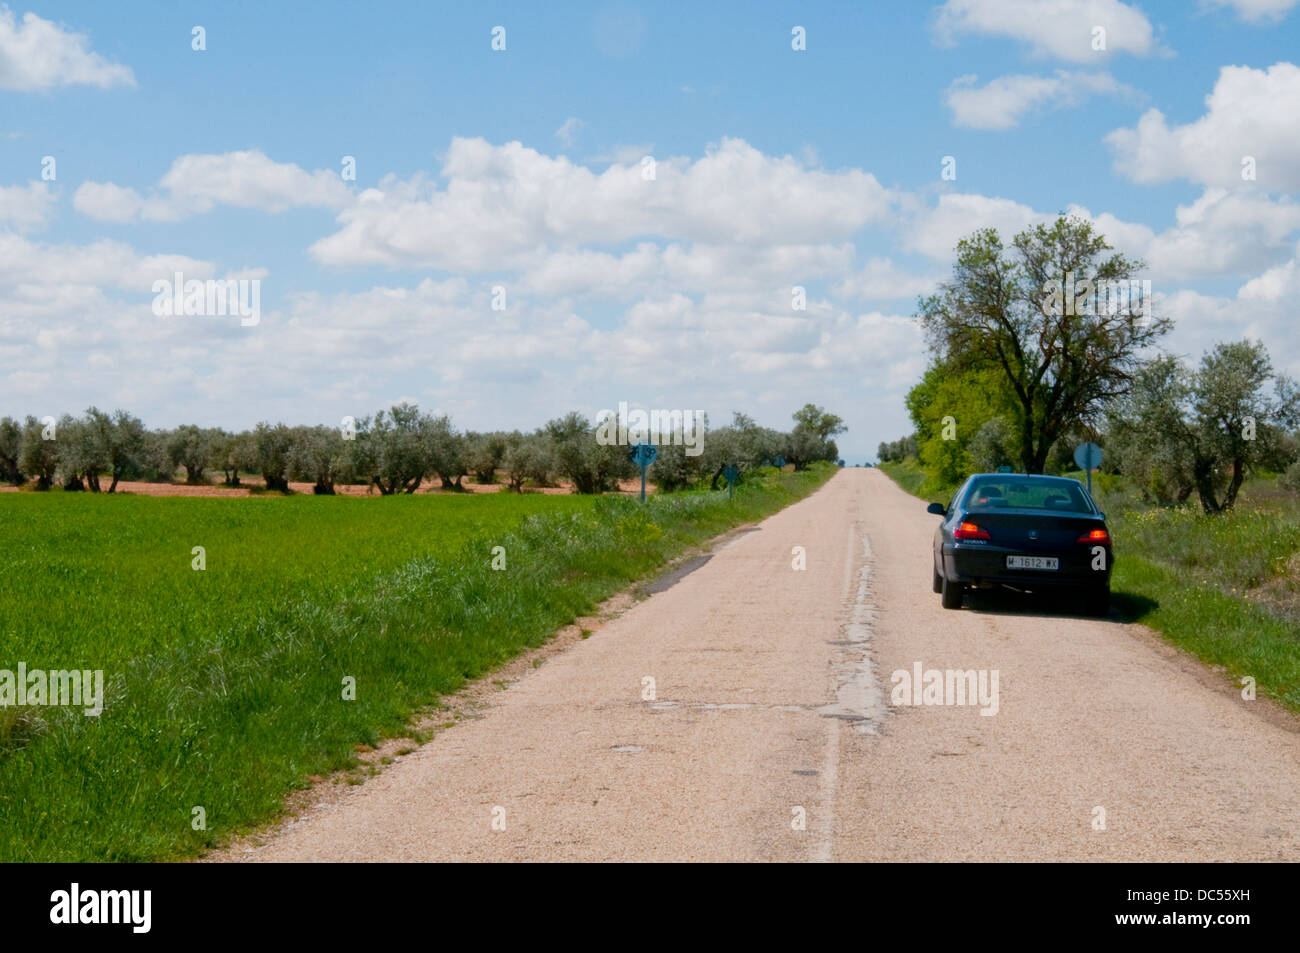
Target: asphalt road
[{"x": 771, "y": 732}]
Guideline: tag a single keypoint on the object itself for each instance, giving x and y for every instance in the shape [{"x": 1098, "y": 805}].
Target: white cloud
[
  {"x": 880, "y": 279},
  {"x": 1225, "y": 233},
  {"x": 26, "y": 208},
  {"x": 569, "y": 130},
  {"x": 101, "y": 264},
  {"x": 112, "y": 203},
  {"x": 1058, "y": 28},
  {"x": 1250, "y": 112},
  {"x": 627, "y": 154},
  {"x": 1262, "y": 308},
  {"x": 502, "y": 205},
  {"x": 1003, "y": 102},
  {"x": 37, "y": 54},
  {"x": 198, "y": 183},
  {"x": 651, "y": 269},
  {"x": 935, "y": 232},
  {"x": 1257, "y": 11}
]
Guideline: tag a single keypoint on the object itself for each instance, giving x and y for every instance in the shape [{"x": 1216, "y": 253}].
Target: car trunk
[{"x": 1054, "y": 532}]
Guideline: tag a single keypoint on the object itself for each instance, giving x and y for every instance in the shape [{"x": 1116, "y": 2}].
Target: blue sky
[{"x": 521, "y": 169}]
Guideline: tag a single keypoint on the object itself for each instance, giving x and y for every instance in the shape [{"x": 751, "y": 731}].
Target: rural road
[{"x": 772, "y": 701}]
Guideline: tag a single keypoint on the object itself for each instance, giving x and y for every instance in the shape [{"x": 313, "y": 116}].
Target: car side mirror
[{"x": 938, "y": 509}]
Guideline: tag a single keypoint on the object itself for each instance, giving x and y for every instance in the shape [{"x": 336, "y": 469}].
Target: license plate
[{"x": 1032, "y": 562}]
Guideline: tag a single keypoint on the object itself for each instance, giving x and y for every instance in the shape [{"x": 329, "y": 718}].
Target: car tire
[
  {"x": 937, "y": 585},
  {"x": 1096, "y": 601},
  {"x": 952, "y": 594}
]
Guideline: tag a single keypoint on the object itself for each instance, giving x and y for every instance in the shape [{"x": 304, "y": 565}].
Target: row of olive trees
[
  {"x": 79, "y": 450},
  {"x": 394, "y": 451},
  {"x": 896, "y": 451}
]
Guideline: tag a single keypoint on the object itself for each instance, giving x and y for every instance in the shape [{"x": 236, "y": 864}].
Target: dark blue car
[{"x": 1024, "y": 532}]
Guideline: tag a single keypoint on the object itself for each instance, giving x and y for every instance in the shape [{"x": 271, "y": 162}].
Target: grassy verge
[
  {"x": 225, "y": 687},
  {"x": 916, "y": 481},
  {"x": 1225, "y": 588}
]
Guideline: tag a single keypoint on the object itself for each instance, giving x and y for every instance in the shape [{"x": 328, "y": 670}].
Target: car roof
[{"x": 1025, "y": 476}]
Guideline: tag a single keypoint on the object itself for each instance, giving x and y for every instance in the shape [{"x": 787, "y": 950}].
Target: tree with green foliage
[
  {"x": 591, "y": 466},
  {"x": 319, "y": 456},
  {"x": 528, "y": 458},
  {"x": 112, "y": 445},
  {"x": 1028, "y": 311},
  {"x": 444, "y": 451},
  {"x": 949, "y": 407},
  {"x": 235, "y": 452},
  {"x": 38, "y": 454},
  {"x": 11, "y": 441},
  {"x": 992, "y": 446},
  {"x": 484, "y": 453},
  {"x": 389, "y": 450},
  {"x": 274, "y": 444},
  {"x": 190, "y": 448},
  {"x": 155, "y": 459},
  {"x": 812, "y": 437},
  {"x": 1206, "y": 428}
]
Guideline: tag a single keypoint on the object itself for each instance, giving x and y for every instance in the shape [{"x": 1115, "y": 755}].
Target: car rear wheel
[
  {"x": 952, "y": 594},
  {"x": 938, "y": 581}
]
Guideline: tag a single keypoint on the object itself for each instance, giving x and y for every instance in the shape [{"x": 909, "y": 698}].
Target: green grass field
[
  {"x": 1226, "y": 588},
  {"x": 224, "y": 687}
]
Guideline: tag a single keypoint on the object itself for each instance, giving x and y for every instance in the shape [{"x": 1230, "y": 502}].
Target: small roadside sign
[
  {"x": 642, "y": 454},
  {"x": 1088, "y": 458}
]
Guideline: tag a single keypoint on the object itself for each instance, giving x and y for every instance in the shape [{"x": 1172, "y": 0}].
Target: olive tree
[
  {"x": 444, "y": 450},
  {"x": 590, "y": 466},
  {"x": 274, "y": 443},
  {"x": 235, "y": 452},
  {"x": 389, "y": 450},
  {"x": 190, "y": 447},
  {"x": 110, "y": 445},
  {"x": 155, "y": 459},
  {"x": 528, "y": 457},
  {"x": 320, "y": 456},
  {"x": 38, "y": 454},
  {"x": 484, "y": 453},
  {"x": 1206, "y": 428},
  {"x": 11, "y": 441},
  {"x": 80, "y": 461}
]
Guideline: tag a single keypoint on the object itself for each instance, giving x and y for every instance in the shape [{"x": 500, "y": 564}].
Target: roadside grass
[
  {"x": 912, "y": 478},
  {"x": 1226, "y": 588},
  {"x": 224, "y": 688},
  {"x": 1218, "y": 628}
]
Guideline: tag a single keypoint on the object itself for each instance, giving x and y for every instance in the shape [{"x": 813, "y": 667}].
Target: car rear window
[{"x": 1062, "y": 496}]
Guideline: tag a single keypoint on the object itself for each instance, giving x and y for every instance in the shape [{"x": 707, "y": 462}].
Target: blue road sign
[
  {"x": 1088, "y": 457},
  {"x": 732, "y": 475},
  {"x": 642, "y": 454}
]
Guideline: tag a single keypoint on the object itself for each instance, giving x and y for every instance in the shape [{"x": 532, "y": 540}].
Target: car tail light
[
  {"x": 969, "y": 531},
  {"x": 1097, "y": 537}
]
